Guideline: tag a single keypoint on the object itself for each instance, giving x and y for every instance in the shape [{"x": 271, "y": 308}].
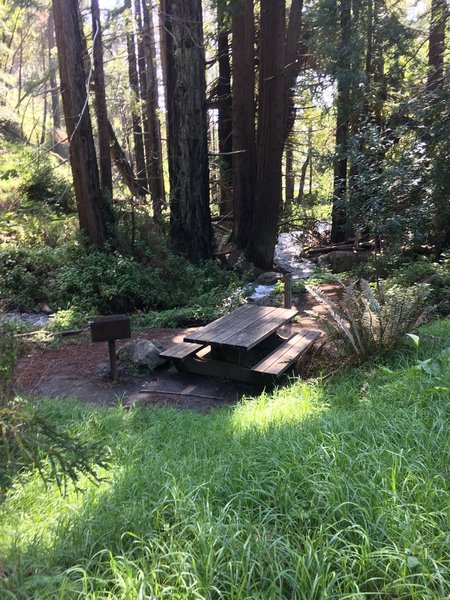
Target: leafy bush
[
  {"x": 25, "y": 275},
  {"x": 369, "y": 321},
  {"x": 8, "y": 355},
  {"x": 435, "y": 274},
  {"x": 298, "y": 287},
  {"x": 107, "y": 282}
]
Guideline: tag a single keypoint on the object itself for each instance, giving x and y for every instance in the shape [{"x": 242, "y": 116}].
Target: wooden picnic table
[{"x": 244, "y": 345}]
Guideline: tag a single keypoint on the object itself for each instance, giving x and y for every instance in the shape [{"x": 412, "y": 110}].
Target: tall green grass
[{"x": 314, "y": 491}]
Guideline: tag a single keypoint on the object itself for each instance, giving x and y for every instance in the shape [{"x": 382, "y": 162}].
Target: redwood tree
[
  {"x": 225, "y": 123},
  {"x": 342, "y": 124},
  {"x": 100, "y": 104},
  {"x": 270, "y": 134},
  {"x": 190, "y": 219},
  {"x": 243, "y": 111},
  {"x": 83, "y": 159}
]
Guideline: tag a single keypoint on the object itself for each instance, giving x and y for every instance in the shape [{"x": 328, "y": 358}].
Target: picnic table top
[{"x": 244, "y": 328}]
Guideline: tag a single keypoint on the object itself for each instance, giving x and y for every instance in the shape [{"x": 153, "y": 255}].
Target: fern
[{"x": 369, "y": 321}]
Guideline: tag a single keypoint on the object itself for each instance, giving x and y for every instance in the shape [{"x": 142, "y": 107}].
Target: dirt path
[{"x": 80, "y": 370}]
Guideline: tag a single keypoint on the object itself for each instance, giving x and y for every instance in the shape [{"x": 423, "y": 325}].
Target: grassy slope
[{"x": 313, "y": 492}]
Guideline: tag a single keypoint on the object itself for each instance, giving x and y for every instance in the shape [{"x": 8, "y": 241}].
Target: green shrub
[
  {"x": 107, "y": 282},
  {"x": 368, "y": 321},
  {"x": 25, "y": 274},
  {"x": 435, "y": 274},
  {"x": 8, "y": 356}
]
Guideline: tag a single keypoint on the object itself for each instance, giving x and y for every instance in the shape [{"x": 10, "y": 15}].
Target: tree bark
[
  {"x": 292, "y": 63},
  {"x": 56, "y": 114},
  {"x": 154, "y": 148},
  {"x": 83, "y": 160},
  {"x": 190, "y": 219},
  {"x": 338, "y": 225},
  {"x": 301, "y": 189},
  {"x": 243, "y": 111},
  {"x": 268, "y": 189},
  {"x": 101, "y": 111},
  {"x": 121, "y": 162},
  {"x": 136, "y": 114},
  {"x": 289, "y": 176},
  {"x": 225, "y": 124},
  {"x": 436, "y": 46}
]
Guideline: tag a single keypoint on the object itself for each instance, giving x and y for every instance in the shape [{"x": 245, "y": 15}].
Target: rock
[
  {"x": 268, "y": 278},
  {"x": 236, "y": 261},
  {"x": 46, "y": 309},
  {"x": 340, "y": 261},
  {"x": 141, "y": 354}
]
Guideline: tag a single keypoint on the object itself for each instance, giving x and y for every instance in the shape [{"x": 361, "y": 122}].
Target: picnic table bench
[{"x": 244, "y": 345}]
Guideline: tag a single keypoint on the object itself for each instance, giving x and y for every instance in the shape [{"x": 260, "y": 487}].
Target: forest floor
[{"x": 81, "y": 370}]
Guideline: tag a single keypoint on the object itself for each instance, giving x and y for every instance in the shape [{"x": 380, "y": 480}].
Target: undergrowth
[
  {"x": 107, "y": 282},
  {"x": 336, "y": 490}
]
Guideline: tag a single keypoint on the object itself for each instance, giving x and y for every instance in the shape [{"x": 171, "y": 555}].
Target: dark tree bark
[
  {"x": 244, "y": 136},
  {"x": 338, "y": 225},
  {"x": 136, "y": 114},
  {"x": 270, "y": 135},
  {"x": 304, "y": 169},
  {"x": 289, "y": 175},
  {"x": 120, "y": 160},
  {"x": 44, "y": 117},
  {"x": 436, "y": 46},
  {"x": 56, "y": 115},
  {"x": 101, "y": 109},
  {"x": 190, "y": 219},
  {"x": 154, "y": 147},
  {"x": 225, "y": 124},
  {"x": 83, "y": 160},
  {"x": 292, "y": 63}
]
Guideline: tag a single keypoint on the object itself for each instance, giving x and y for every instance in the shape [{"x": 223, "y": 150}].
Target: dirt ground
[{"x": 81, "y": 370}]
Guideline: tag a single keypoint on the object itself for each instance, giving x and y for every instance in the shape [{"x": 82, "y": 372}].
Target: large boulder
[
  {"x": 141, "y": 355},
  {"x": 341, "y": 260},
  {"x": 269, "y": 278}
]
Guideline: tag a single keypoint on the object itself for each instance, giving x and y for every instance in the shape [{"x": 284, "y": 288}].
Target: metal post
[
  {"x": 112, "y": 359},
  {"x": 287, "y": 290}
]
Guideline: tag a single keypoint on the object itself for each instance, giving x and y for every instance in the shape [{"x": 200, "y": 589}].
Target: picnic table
[{"x": 244, "y": 345}]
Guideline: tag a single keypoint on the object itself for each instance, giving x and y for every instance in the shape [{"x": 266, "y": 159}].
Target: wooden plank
[
  {"x": 222, "y": 335},
  {"x": 255, "y": 333},
  {"x": 181, "y": 350},
  {"x": 282, "y": 358},
  {"x": 203, "y": 332}
]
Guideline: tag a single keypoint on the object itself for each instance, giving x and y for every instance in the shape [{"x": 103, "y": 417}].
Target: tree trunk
[
  {"x": 289, "y": 176},
  {"x": 101, "y": 111},
  {"x": 78, "y": 123},
  {"x": 292, "y": 63},
  {"x": 244, "y": 147},
  {"x": 339, "y": 220},
  {"x": 190, "y": 219},
  {"x": 136, "y": 114},
  {"x": 56, "y": 115},
  {"x": 225, "y": 125},
  {"x": 268, "y": 190},
  {"x": 44, "y": 116},
  {"x": 120, "y": 160},
  {"x": 436, "y": 46},
  {"x": 301, "y": 189},
  {"x": 154, "y": 149}
]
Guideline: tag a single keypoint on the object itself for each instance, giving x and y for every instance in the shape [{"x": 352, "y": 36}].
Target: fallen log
[{"x": 337, "y": 247}]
